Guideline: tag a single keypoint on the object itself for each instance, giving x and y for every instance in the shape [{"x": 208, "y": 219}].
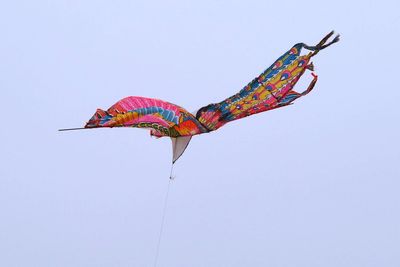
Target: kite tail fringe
[
  {"x": 321, "y": 45},
  {"x": 311, "y": 85}
]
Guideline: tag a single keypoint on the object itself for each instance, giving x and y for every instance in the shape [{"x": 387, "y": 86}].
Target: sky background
[{"x": 313, "y": 184}]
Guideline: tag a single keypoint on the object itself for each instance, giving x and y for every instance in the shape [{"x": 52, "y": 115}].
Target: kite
[{"x": 270, "y": 90}]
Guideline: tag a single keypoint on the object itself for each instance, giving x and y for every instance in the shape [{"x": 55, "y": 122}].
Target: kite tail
[{"x": 321, "y": 45}]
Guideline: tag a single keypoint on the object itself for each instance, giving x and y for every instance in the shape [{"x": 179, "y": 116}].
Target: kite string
[
  {"x": 171, "y": 177},
  {"x": 162, "y": 220}
]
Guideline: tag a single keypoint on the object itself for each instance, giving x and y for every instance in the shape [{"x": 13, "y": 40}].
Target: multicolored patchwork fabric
[{"x": 270, "y": 90}]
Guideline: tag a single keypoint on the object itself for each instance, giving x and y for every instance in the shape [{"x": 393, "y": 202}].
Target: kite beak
[{"x": 99, "y": 118}]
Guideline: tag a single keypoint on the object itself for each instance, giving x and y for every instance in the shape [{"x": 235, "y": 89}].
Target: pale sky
[{"x": 313, "y": 184}]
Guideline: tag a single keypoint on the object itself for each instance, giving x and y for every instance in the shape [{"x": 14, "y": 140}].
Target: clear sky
[{"x": 313, "y": 184}]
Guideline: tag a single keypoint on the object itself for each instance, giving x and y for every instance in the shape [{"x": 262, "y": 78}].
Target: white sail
[{"x": 179, "y": 144}]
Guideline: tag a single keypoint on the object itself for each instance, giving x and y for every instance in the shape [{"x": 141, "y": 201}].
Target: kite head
[{"x": 101, "y": 118}]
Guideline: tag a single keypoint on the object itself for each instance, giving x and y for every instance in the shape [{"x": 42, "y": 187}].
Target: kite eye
[
  {"x": 99, "y": 115},
  {"x": 255, "y": 97},
  {"x": 301, "y": 63},
  {"x": 239, "y": 107}
]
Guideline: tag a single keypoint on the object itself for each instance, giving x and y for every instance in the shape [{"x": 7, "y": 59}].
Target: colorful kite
[{"x": 272, "y": 89}]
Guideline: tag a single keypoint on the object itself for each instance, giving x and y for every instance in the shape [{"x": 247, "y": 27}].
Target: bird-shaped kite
[{"x": 272, "y": 89}]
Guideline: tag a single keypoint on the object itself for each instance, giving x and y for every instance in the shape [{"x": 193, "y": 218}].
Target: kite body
[
  {"x": 270, "y": 90},
  {"x": 163, "y": 118}
]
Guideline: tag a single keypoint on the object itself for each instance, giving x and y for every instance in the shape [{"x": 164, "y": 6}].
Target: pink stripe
[{"x": 136, "y": 102}]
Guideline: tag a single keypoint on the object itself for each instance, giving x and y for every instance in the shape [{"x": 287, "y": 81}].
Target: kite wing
[
  {"x": 271, "y": 89},
  {"x": 161, "y": 117}
]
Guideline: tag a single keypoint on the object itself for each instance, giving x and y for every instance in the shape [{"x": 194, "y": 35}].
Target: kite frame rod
[{"x": 73, "y": 129}]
